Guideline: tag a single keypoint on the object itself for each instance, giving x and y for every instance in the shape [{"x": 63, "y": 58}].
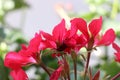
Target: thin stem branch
[
  {"x": 116, "y": 76},
  {"x": 75, "y": 69},
  {"x": 68, "y": 75},
  {"x": 66, "y": 67},
  {"x": 62, "y": 78},
  {"x": 87, "y": 64},
  {"x": 74, "y": 58}
]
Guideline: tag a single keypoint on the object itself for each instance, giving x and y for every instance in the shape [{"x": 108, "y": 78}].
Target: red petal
[
  {"x": 81, "y": 42},
  {"x": 107, "y": 38},
  {"x": 23, "y": 47},
  {"x": 73, "y": 30},
  {"x": 47, "y": 44},
  {"x": 70, "y": 42},
  {"x": 18, "y": 74},
  {"x": 116, "y": 47},
  {"x": 56, "y": 74},
  {"x": 95, "y": 26},
  {"x": 47, "y": 36},
  {"x": 80, "y": 24},
  {"x": 59, "y": 31},
  {"x": 15, "y": 60},
  {"x": 34, "y": 43}
]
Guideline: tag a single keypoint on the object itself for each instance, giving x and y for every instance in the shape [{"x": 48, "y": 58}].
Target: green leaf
[
  {"x": 2, "y": 34},
  {"x": 97, "y": 2},
  {"x": 111, "y": 68},
  {"x": 4, "y": 72},
  {"x": 20, "y": 4}
]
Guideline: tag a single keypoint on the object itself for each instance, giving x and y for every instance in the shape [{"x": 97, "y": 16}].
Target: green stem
[
  {"x": 87, "y": 64},
  {"x": 74, "y": 58},
  {"x": 68, "y": 75},
  {"x": 62, "y": 78},
  {"x": 75, "y": 70},
  {"x": 65, "y": 78}
]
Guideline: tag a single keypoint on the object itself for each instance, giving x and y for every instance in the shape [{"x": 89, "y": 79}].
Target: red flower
[
  {"x": 17, "y": 60},
  {"x": 61, "y": 38},
  {"x": 117, "y": 54},
  {"x": 91, "y": 33}
]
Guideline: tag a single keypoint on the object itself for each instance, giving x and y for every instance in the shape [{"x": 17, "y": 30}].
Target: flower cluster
[{"x": 62, "y": 43}]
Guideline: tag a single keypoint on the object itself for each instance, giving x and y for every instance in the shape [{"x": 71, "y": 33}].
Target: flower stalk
[
  {"x": 75, "y": 69},
  {"x": 87, "y": 64},
  {"x": 74, "y": 57},
  {"x": 67, "y": 68}
]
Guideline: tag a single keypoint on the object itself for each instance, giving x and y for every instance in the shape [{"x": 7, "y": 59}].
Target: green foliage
[
  {"x": 96, "y": 2},
  {"x": 49, "y": 60},
  {"x": 20, "y": 4},
  {"x": 111, "y": 68},
  {"x": 2, "y": 34},
  {"x": 4, "y": 72}
]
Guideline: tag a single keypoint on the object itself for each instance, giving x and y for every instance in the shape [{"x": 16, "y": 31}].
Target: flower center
[{"x": 62, "y": 47}]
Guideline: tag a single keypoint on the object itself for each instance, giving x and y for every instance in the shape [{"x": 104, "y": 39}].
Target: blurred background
[
  {"x": 41, "y": 15},
  {"x": 21, "y": 19}
]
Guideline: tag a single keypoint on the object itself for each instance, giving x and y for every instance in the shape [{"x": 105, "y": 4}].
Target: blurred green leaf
[
  {"x": 111, "y": 68},
  {"x": 87, "y": 16},
  {"x": 96, "y": 2},
  {"x": 20, "y": 4},
  {"x": 50, "y": 61},
  {"x": 2, "y": 34},
  {"x": 4, "y": 72}
]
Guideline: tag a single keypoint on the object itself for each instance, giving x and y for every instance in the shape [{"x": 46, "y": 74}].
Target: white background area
[{"x": 41, "y": 15}]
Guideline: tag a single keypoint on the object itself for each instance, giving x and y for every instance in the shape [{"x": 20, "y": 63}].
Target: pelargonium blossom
[
  {"x": 61, "y": 38},
  {"x": 15, "y": 61},
  {"x": 91, "y": 32},
  {"x": 27, "y": 55}
]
